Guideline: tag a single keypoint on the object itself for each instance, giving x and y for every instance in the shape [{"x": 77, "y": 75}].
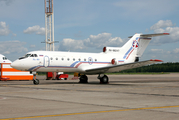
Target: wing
[
  {"x": 116, "y": 68},
  {"x": 152, "y": 35}
]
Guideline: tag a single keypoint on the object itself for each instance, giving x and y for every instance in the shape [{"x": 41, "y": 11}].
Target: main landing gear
[
  {"x": 83, "y": 79},
  {"x": 35, "y": 81},
  {"x": 103, "y": 79}
]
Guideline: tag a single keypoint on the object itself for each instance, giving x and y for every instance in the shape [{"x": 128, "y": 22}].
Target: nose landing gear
[{"x": 35, "y": 81}]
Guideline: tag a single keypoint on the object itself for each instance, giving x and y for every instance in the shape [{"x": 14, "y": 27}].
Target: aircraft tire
[
  {"x": 104, "y": 79},
  {"x": 36, "y": 81},
  {"x": 83, "y": 79}
]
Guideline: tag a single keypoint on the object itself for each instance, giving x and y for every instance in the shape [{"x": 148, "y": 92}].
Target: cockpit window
[
  {"x": 33, "y": 55},
  {"x": 29, "y": 55},
  {"x": 4, "y": 58}
]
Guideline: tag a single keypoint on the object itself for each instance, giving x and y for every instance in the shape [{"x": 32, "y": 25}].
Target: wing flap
[{"x": 121, "y": 67}]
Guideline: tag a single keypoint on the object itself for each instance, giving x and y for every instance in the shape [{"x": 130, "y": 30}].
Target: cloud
[
  {"x": 157, "y": 50},
  {"x": 8, "y": 47},
  {"x": 101, "y": 40},
  {"x": 176, "y": 50},
  {"x": 32, "y": 46},
  {"x": 4, "y": 29},
  {"x": 35, "y": 29},
  {"x": 7, "y": 2},
  {"x": 162, "y": 54},
  {"x": 165, "y": 27},
  {"x": 94, "y": 41},
  {"x": 14, "y": 35},
  {"x": 162, "y": 24},
  {"x": 71, "y": 44}
]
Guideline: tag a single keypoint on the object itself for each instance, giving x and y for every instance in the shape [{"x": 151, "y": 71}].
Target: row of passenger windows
[{"x": 68, "y": 59}]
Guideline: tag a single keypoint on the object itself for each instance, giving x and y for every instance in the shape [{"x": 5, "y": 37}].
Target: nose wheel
[{"x": 35, "y": 81}]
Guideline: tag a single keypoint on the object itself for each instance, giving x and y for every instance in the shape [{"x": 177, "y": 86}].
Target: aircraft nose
[{"x": 15, "y": 64}]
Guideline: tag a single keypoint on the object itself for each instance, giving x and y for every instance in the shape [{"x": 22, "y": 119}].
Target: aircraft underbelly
[{"x": 55, "y": 69}]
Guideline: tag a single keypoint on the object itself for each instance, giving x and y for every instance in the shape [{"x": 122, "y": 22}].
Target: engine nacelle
[
  {"x": 111, "y": 49},
  {"x": 114, "y": 61}
]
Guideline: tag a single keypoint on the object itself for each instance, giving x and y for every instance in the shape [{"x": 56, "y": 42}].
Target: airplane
[
  {"x": 112, "y": 59},
  {"x": 3, "y": 59}
]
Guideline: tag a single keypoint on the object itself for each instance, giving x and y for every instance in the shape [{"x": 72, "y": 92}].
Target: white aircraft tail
[
  {"x": 134, "y": 48},
  {"x": 130, "y": 49}
]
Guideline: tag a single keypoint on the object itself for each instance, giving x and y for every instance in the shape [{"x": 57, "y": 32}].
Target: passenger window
[
  {"x": 84, "y": 59},
  {"x": 62, "y": 58},
  {"x": 51, "y": 58},
  {"x": 73, "y": 59},
  {"x": 95, "y": 59},
  {"x": 56, "y": 58},
  {"x": 79, "y": 59},
  {"x": 68, "y": 59}
]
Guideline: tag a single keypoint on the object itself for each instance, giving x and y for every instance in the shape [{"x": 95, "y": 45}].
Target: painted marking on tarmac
[
  {"x": 82, "y": 113},
  {"x": 2, "y": 98}
]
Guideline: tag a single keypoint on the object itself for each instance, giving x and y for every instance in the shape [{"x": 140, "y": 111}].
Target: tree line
[{"x": 163, "y": 67}]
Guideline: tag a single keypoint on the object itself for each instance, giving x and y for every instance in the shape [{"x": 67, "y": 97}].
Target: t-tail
[{"x": 133, "y": 49}]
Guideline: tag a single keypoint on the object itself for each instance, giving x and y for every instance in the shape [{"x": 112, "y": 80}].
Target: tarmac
[{"x": 126, "y": 97}]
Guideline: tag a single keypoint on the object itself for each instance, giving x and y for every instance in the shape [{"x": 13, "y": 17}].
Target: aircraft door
[{"x": 46, "y": 61}]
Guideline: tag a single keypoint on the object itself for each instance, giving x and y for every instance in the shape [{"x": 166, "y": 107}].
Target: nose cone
[{"x": 16, "y": 65}]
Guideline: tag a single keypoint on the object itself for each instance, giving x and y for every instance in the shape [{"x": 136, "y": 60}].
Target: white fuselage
[
  {"x": 3, "y": 59},
  {"x": 54, "y": 61}
]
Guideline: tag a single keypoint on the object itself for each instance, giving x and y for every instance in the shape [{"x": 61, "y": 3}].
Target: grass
[{"x": 139, "y": 73}]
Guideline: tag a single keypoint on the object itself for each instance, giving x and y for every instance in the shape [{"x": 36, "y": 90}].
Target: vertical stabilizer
[
  {"x": 136, "y": 46},
  {"x": 143, "y": 43},
  {"x": 130, "y": 48}
]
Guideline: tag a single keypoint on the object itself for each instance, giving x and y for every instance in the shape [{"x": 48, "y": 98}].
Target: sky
[{"x": 90, "y": 25}]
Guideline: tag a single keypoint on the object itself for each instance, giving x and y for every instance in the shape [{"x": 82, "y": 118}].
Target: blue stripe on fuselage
[{"x": 127, "y": 53}]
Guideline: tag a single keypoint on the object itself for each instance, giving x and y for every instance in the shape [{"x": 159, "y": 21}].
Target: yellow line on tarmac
[{"x": 57, "y": 115}]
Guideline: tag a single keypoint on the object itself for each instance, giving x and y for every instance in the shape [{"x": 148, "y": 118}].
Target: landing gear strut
[
  {"x": 83, "y": 79},
  {"x": 103, "y": 79},
  {"x": 35, "y": 81}
]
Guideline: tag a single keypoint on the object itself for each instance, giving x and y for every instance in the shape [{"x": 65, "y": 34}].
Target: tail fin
[
  {"x": 130, "y": 48},
  {"x": 136, "y": 46}
]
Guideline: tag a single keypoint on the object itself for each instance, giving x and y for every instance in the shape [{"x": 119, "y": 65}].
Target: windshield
[
  {"x": 4, "y": 58},
  {"x": 28, "y": 55}
]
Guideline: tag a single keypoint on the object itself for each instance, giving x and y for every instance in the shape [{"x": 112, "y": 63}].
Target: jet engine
[{"x": 114, "y": 61}]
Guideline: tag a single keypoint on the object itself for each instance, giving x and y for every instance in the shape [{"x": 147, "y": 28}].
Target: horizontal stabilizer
[
  {"x": 152, "y": 35},
  {"x": 121, "y": 67}
]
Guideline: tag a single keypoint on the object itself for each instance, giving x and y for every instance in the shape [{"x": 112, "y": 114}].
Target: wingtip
[
  {"x": 156, "y": 60},
  {"x": 166, "y": 33}
]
